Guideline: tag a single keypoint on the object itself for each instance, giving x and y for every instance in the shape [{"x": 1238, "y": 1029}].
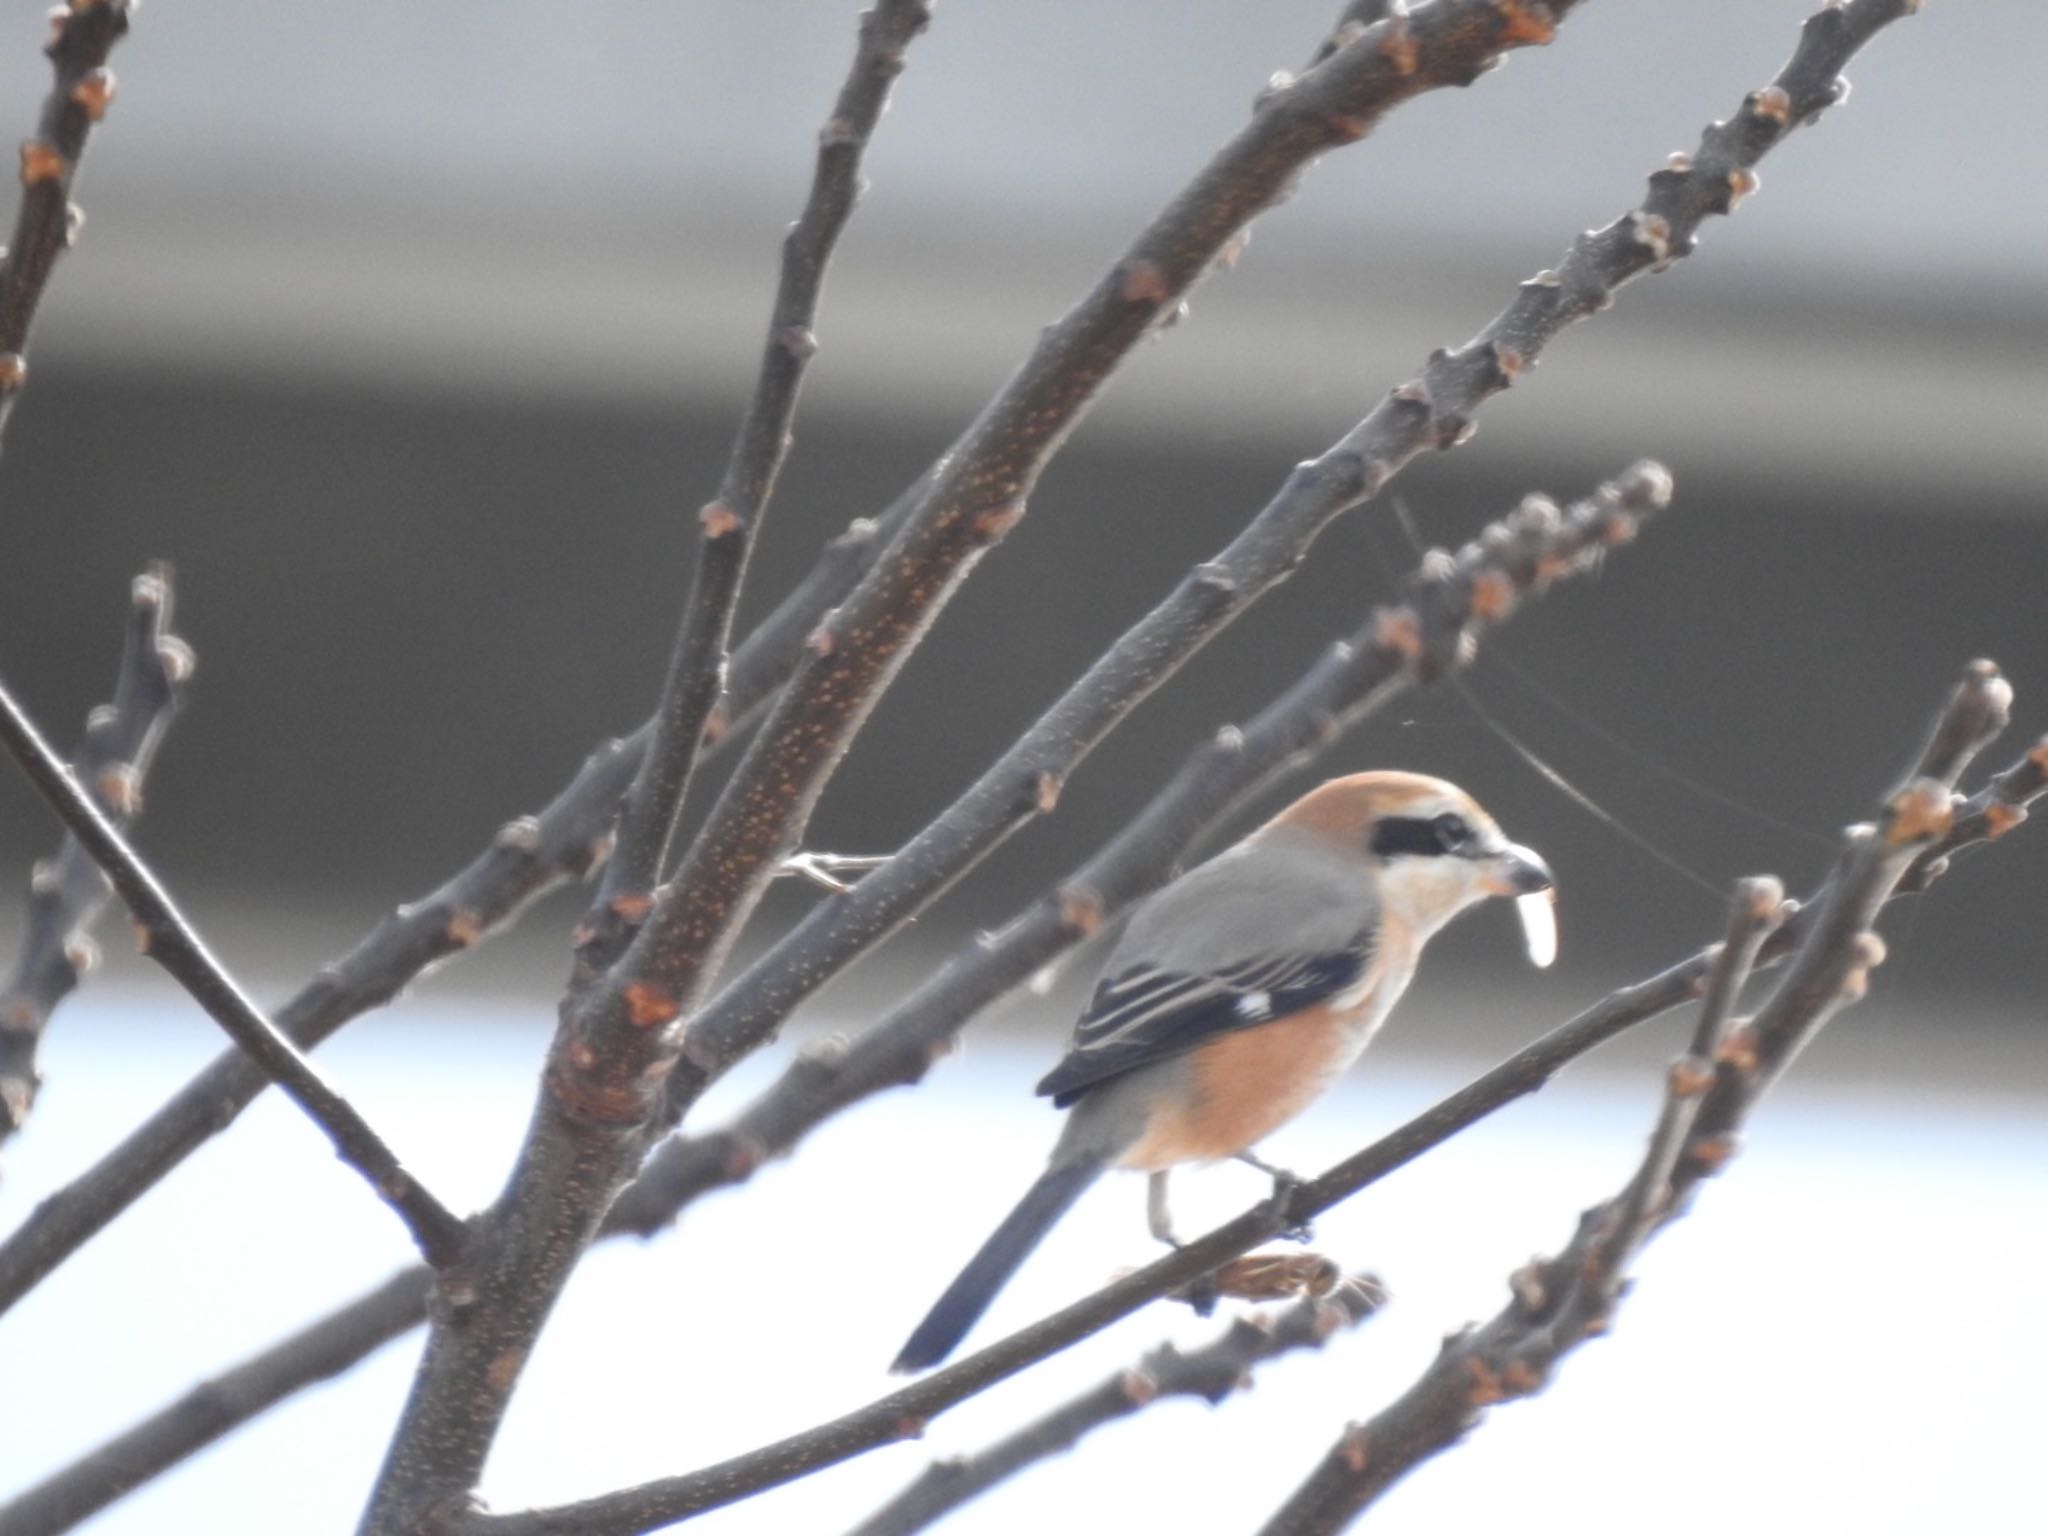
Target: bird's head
[{"x": 1430, "y": 848}]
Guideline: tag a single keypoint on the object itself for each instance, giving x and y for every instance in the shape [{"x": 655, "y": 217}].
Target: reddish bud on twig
[
  {"x": 1527, "y": 23},
  {"x": 1710, "y": 1154},
  {"x": 718, "y": 520},
  {"x": 40, "y": 163},
  {"x": 1920, "y": 812},
  {"x": 632, "y": 906},
  {"x": 1398, "y": 47},
  {"x": 2000, "y": 818},
  {"x": 1398, "y": 630},
  {"x": 1772, "y": 104},
  {"x": 1689, "y": 1077},
  {"x": 1486, "y": 1387},
  {"x": 648, "y": 1005},
  {"x": 1493, "y": 596},
  {"x": 94, "y": 92},
  {"x": 1144, "y": 283},
  {"x": 1738, "y": 1051}
]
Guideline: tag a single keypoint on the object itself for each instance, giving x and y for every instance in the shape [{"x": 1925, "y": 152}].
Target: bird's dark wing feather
[{"x": 1144, "y": 1015}]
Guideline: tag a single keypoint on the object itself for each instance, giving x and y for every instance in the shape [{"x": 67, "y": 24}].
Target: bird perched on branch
[{"x": 1243, "y": 990}]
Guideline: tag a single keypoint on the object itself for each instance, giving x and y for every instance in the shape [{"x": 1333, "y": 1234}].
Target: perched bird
[{"x": 1243, "y": 990}]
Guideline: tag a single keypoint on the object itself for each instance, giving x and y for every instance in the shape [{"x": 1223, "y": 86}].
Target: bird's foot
[
  {"x": 1201, "y": 1293},
  {"x": 1286, "y": 1186}
]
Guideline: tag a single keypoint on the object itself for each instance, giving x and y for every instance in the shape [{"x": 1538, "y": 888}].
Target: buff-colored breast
[{"x": 1242, "y": 1087}]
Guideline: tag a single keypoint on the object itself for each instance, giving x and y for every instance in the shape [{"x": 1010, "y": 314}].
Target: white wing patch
[{"x": 1255, "y": 1005}]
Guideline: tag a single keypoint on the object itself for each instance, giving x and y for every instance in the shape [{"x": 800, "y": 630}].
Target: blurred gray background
[{"x": 414, "y": 339}]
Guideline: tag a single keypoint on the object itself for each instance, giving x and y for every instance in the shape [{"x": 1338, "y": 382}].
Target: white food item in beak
[{"x": 1538, "y": 911}]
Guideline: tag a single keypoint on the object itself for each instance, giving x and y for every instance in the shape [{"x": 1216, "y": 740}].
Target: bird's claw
[{"x": 1285, "y": 1187}]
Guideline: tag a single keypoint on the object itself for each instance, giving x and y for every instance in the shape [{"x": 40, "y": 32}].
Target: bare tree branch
[
  {"x": 82, "y": 35},
  {"x": 730, "y": 521},
  {"x": 603, "y": 1083},
  {"x": 1559, "y": 1303},
  {"x": 528, "y": 855},
  {"x": 1448, "y": 602},
  {"x": 1873, "y": 860},
  {"x": 67, "y": 893},
  {"x": 1212, "y": 1373},
  {"x": 172, "y": 942}
]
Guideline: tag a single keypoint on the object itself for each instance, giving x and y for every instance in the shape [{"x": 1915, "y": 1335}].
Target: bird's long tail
[{"x": 990, "y": 1268}]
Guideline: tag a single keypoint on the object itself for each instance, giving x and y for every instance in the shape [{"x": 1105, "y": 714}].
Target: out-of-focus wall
[{"x": 414, "y": 338}]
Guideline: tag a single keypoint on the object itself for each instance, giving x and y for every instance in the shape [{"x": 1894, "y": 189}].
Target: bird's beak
[{"x": 1518, "y": 871}]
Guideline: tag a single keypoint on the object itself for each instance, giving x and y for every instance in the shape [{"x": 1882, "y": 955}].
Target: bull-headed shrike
[{"x": 1243, "y": 990}]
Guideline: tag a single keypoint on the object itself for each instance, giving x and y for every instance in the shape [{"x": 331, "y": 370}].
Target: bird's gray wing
[
  {"x": 1145, "y": 1014},
  {"x": 1267, "y": 928}
]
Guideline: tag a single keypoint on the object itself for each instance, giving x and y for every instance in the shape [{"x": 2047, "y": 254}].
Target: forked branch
[{"x": 171, "y": 941}]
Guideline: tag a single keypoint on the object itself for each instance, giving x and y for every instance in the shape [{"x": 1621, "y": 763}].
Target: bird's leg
[
  {"x": 1157, "y": 1216},
  {"x": 1201, "y": 1292},
  {"x": 1284, "y": 1186}
]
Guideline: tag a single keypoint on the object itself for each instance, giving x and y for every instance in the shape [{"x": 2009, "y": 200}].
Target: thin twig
[
  {"x": 171, "y": 941},
  {"x": 1211, "y": 1372},
  {"x": 1449, "y": 601},
  {"x": 731, "y": 520},
  {"x": 67, "y": 893},
  {"x": 603, "y": 1085},
  {"x": 371, "y": 1323},
  {"x": 1758, "y": 910},
  {"x": 82, "y": 35},
  {"x": 1558, "y": 1303}
]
